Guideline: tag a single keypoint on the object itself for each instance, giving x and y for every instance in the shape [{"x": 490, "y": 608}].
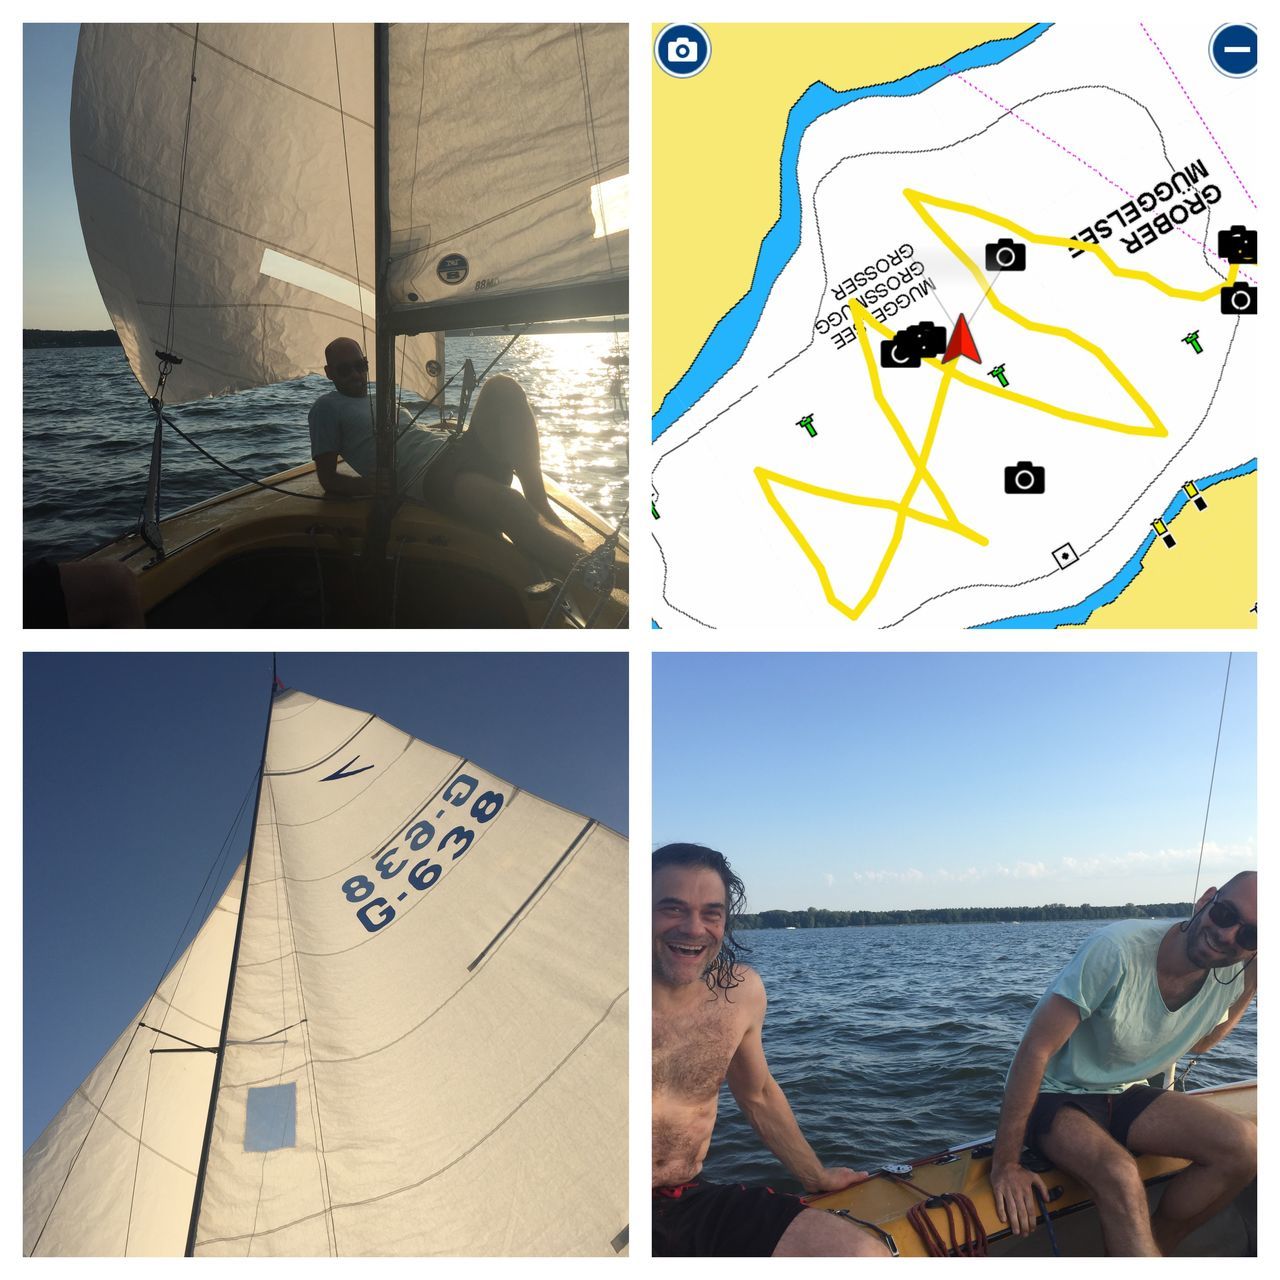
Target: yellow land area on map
[
  {"x": 1210, "y": 579},
  {"x": 717, "y": 143}
]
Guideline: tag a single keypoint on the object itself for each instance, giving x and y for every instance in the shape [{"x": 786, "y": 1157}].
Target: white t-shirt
[{"x": 344, "y": 424}]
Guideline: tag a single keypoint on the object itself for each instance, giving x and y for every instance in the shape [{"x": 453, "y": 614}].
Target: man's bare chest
[{"x": 692, "y": 1052}]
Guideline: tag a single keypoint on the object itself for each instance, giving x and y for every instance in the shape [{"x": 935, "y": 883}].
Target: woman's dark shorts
[
  {"x": 1114, "y": 1112},
  {"x": 704, "y": 1220},
  {"x": 467, "y": 453}
]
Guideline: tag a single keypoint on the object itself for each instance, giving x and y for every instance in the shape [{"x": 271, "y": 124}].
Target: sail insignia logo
[
  {"x": 346, "y": 771},
  {"x": 452, "y": 268}
]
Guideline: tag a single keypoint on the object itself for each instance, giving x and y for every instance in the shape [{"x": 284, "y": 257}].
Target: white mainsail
[
  {"x": 426, "y": 1050},
  {"x": 506, "y": 141},
  {"x": 262, "y": 135}
]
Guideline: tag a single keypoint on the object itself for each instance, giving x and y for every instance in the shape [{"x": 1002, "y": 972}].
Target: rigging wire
[
  {"x": 355, "y": 245},
  {"x": 182, "y": 184},
  {"x": 1212, "y": 774}
]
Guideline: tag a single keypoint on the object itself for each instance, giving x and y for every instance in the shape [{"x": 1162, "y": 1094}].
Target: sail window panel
[
  {"x": 270, "y": 1120},
  {"x": 499, "y": 133},
  {"x": 264, "y": 170},
  {"x": 279, "y": 266},
  {"x": 611, "y": 206},
  {"x": 251, "y": 1193}
]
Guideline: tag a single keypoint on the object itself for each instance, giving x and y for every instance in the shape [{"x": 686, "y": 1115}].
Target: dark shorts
[
  {"x": 704, "y": 1220},
  {"x": 43, "y": 603},
  {"x": 467, "y": 453},
  {"x": 1114, "y": 1112}
]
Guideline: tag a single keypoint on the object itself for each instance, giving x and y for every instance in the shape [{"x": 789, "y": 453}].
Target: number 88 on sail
[{"x": 417, "y": 849}]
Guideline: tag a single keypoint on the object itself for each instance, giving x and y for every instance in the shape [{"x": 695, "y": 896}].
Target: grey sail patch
[{"x": 271, "y": 1117}]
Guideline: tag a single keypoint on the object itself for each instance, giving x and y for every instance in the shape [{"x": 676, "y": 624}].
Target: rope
[
  {"x": 1212, "y": 774},
  {"x": 241, "y": 475},
  {"x": 1048, "y": 1221},
  {"x": 974, "y": 1243}
]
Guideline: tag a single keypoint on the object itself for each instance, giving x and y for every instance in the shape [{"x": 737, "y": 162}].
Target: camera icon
[
  {"x": 682, "y": 49},
  {"x": 1023, "y": 477},
  {"x": 1006, "y": 255},
  {"x": 1238, "y": 244},
  {"x": 1239, "y": 299},
  {"x": 908, "y": 346}
]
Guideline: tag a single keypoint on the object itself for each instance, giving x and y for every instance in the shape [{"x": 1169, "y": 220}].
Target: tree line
[{"x": 821, "y": 918}]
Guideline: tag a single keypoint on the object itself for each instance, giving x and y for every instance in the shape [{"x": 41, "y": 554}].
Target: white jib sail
[
  {"x": 262, "y": 135},
  {"x": 114, "y": 1172},
  {"x": 426, "y": 1053}
]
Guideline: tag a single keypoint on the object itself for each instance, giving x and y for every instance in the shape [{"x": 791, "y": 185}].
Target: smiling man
[
  {"x": 471, "y": 476},
  {"x": 1137, "y": 996},
  {"x": 708, "y": 1012}
]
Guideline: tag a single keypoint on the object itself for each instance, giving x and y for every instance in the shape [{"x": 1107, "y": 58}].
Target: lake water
[
  {"x": 892, "y": 1042},
  {"x": 87, "y": 433}
]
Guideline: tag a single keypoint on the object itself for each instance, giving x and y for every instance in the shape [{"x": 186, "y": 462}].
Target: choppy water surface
[
  {"x": 892, "y": 1042},
  {"x": 87, "y": 433}
]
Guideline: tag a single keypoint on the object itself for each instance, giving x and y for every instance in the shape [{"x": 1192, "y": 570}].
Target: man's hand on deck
[
  {"x": 834, "y": 1179},
  {"x": 1011, "y": 1187}
]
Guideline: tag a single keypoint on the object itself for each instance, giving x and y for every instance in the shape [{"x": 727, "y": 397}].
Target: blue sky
[
  {"x": 136, "y": 764},
  {"x": 924, "y": 780},
  {"x": 58, "y": 288}
]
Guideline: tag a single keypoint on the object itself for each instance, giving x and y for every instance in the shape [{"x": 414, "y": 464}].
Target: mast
[
  {"x": 384, "y": 338},
  {"x": 231, "y": 983}
]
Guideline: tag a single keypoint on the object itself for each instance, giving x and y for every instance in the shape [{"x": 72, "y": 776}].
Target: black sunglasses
[
  {"x": 349, "y": 366},
  {"x": 1225, "y": 916}
]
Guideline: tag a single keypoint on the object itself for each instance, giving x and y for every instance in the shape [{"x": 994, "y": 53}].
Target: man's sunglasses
[
  {"x": 1225, "y": 916},
  {"x": 349, "y": 366}
]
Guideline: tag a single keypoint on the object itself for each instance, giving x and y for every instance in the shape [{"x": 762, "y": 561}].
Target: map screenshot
[{"x": 955, "y": 326}]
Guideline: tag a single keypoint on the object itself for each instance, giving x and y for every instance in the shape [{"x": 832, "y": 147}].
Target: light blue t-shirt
[
  {"x": 1127, "y": 1033},
  {"x": 344, "y": 424}
]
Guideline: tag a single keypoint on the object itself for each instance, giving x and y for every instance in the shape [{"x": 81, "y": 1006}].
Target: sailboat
[
  {"x": 249, "y": 192},
  {"x": 378, "y": 1042}
]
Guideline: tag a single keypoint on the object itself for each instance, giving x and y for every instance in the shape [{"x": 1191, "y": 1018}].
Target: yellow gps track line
[{"x": 864, "y": 321}]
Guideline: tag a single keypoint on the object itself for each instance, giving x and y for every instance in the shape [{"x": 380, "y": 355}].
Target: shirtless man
[
  {"x": 471, "y": 477},
  {"x": 1136, "y": 997},
  {"x": 708, "y": 1011}
]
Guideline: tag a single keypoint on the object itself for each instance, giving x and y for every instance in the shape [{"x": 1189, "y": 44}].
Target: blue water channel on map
[
  {"x": 1078, "y": 614},
  {"x": 728, "y": 340}
]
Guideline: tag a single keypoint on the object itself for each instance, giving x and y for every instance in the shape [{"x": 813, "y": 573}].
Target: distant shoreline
[
  {"x": 815, "y": 919},
  {"x": 36, "y": 339}
]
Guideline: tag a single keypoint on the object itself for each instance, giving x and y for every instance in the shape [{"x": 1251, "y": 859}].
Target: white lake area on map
[{"x": 898, "y": 497}]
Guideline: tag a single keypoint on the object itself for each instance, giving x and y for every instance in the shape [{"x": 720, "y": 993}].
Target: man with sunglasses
[
  {"x": 468, "y": 477},
  {"x": 1137, "y": 996}
]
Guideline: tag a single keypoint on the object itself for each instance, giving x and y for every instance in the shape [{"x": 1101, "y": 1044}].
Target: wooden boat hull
[
  {"x": 257, "y": 558},
  {"x": 884, "y": 1203}
]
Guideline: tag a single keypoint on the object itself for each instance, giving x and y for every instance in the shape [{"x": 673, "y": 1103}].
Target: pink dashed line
[
  {"x": 1081, "y": 159},
  {"x": 1196, "y": 109}
]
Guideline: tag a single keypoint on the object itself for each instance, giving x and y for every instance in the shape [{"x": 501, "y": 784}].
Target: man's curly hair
[{"x": 720, "y": 974}]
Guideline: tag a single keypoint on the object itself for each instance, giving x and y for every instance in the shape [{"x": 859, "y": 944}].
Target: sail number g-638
[{"x": 418, "y": 838}]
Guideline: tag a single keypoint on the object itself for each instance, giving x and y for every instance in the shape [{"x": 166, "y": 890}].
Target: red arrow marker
[{"x": 961, "y": 343}]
